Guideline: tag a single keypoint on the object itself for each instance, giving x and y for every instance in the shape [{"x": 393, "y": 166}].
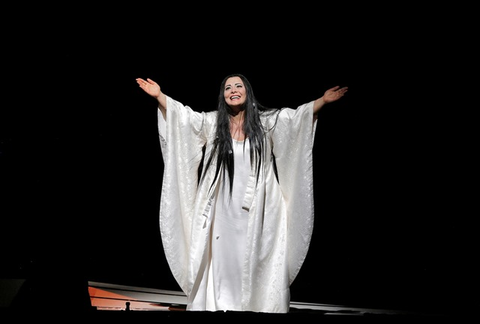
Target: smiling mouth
[{"x": 234, "y": 97}]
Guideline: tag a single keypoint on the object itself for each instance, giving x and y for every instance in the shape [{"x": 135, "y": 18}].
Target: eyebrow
[{"x": 228, "y": 85}]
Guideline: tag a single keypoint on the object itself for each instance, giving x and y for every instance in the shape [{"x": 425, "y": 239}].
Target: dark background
[{"x": 81, "y": 165}]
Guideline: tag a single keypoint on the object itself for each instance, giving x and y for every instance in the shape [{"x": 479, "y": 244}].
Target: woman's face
[{"x": 234, "y": 92}]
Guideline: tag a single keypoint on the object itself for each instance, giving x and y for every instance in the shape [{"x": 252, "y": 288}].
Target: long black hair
[{"x": 252, "y": 127}]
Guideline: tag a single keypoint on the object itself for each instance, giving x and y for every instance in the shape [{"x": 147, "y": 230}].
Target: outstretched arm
[
  {"x": 331, "y": 95},
  {"x": 153, "y": 89}
]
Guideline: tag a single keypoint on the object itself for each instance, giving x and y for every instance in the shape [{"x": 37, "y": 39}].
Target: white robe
[{"x": 280, "y": 212}]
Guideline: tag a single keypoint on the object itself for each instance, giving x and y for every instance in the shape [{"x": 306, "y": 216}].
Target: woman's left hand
[{"x": 334, "y": 93}]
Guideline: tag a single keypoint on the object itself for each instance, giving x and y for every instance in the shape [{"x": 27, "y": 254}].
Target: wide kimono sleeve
[
  {"x": 292, "y": 141},
  {"x": 182, "y": 138}
]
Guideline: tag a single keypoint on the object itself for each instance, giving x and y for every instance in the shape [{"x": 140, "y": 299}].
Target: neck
[{"x": 236, "y": 126}]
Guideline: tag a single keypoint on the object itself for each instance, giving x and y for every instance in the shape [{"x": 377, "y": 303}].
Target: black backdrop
[{"x": 81, "y": 164}]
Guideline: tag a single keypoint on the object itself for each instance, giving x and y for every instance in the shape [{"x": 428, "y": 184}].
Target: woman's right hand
[
  {"x": 149, "y": 86},
  {"x": 153, "y": 89}
]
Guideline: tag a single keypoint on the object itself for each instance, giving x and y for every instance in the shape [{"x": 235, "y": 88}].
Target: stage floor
[
  {"x": 111, "y": 301},
  {"x": 113, "y": 297}
]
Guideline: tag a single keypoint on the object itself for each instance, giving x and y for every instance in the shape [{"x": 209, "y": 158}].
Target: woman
[{"x": 236, "y": 231}]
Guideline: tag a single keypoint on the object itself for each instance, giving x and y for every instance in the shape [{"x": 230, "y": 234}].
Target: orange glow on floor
[{"x": 104, "y": 299}]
